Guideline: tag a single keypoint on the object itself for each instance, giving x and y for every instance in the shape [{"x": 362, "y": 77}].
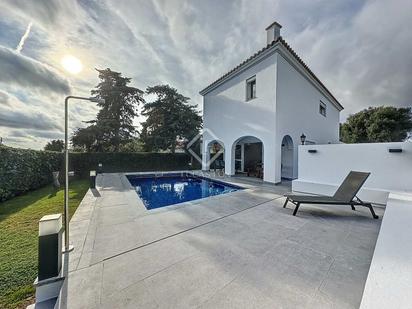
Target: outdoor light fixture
[
  {"x": 100, "y": 168},
  {"x": 49, "y": 252},
  {"x": 303, "y": 138},
  {"x": 67, "y": 246},
  {"x": 92, "y": 179}
]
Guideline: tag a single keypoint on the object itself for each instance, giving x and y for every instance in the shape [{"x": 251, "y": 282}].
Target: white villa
[{"x": 260, "y": 109}]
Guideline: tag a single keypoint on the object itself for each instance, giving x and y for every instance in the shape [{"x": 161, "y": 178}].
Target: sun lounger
[{"x": 345, "y": 195}]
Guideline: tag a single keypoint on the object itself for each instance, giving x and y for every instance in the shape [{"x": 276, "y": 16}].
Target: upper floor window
[
  {"x": 251, "y": 88},
  {"x": 322, "y": 108}
]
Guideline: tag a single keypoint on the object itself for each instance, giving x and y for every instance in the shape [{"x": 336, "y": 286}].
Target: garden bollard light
[
  {"x": 100, "y": 168},
  {"x": 50, "y": 246},
  {"x": 93, "y": 179}
]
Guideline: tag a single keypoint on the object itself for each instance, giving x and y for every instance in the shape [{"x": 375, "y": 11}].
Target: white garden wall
[{"x": 321, "y": 172}]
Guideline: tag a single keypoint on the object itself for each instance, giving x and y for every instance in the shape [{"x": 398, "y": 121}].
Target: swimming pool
[{"x": 168, "y": 189}]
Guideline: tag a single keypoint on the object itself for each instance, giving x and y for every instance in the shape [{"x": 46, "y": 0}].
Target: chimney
[{"x": 273, "y": 32}]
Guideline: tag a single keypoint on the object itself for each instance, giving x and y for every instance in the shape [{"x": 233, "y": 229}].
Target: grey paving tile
[
  {"x": 289, "y": 269},
  {"x": 238, "y": 294},
  {"x": 81, "y": 289},
  {"x": 189, "y": 283},
  {"x": 344, "y": 283},
  {"x": 134, "y": 296},
  {"x": 320, "y": 237},
  {"x": 131, "y": 267},
  {"x": 320, "y": 301},
  {"x": 114, "y": 239},
  {"x": 116, "y": 214}
]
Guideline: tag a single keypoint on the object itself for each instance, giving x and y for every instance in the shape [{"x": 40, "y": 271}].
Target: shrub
[
  {"x": 114, "y": 162},
  {"x": 22, "y": 170}
]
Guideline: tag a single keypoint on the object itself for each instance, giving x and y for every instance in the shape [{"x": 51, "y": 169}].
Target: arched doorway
[
  {"x": 216, "y": 155},
  {"x": 287, "y": 158},
  {"x": 247, "y": 157}
]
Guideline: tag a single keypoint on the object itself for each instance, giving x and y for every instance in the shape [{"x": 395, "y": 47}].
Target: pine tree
[
  {"x": 115, "y": 118},
  {"x": 170, "y": 119}
]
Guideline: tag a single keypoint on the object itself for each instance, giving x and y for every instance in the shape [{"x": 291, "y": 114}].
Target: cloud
[
  {"x": 24, "y": 38},
  {"x": 48, "y": 13},
  {"x": 16, "y": 114},
  {"x": 4, "y": 98},
  {"x": 360, "y": 49},
  {"x": 32, "y": 133},
  {"x": 23, "y": 71}
]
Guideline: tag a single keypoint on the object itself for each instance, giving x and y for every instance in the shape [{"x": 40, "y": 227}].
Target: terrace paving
[{"x": 237, "y": 250}]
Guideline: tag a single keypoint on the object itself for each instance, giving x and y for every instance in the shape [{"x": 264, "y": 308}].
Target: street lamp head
[{"x": 97, "y": 100}]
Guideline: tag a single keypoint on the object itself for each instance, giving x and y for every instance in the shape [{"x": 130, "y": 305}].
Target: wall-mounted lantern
[
  {"x": 303, "y": 139},
  {"x": 100, "y": 168}
]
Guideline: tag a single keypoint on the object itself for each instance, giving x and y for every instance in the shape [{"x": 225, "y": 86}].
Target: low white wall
[
  {"x": 390, "y": 275},
  {"x": 321, "y": 172}
]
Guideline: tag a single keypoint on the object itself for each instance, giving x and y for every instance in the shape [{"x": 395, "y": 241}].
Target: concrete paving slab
[
  {"x": 124, "y": 270},
  {"x": 132, "y": 297},
  {"x": 189, "y": 283},
  {"x": 82, "y": 288}
]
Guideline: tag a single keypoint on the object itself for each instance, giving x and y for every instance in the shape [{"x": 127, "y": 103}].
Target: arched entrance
[
  {"x": 216, "y": 155},
  {"x": 247, "y": 157},
  {"x": 287, "y": 158}
]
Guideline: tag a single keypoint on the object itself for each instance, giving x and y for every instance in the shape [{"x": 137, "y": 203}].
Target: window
[
  {"x": 251, "y": 88},
  {"x": 322, "y": 108}
]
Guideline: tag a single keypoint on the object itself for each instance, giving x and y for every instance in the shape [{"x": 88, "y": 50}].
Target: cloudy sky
[{"x": 361, "y": 50}]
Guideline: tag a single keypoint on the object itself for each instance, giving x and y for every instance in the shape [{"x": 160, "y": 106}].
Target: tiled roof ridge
[{"x": 290, "y": 49}]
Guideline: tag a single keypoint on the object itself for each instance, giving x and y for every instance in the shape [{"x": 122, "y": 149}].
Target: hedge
[
  {"x": 22, "y": 170},
  {"x": 82, "y": 163}
]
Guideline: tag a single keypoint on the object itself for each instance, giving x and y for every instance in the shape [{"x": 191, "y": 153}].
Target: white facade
[{"x": 287, "y": 103}]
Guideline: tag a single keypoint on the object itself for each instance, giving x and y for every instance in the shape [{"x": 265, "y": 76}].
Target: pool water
[{"x": 172, "y": 189}]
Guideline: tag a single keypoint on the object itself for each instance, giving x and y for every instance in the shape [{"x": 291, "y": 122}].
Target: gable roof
[{"x": 262, "y": 52}]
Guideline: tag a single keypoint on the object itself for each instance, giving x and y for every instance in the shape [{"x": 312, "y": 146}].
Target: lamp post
[
  {"x": 67, "y": 246},
  {"x": 303, "y": 139}
]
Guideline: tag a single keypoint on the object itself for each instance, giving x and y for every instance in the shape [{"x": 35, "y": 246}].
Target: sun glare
[{"x": 71, "y": 64}]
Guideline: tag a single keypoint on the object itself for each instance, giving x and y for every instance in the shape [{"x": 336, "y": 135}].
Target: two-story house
[{"x": 260, "y": 111}]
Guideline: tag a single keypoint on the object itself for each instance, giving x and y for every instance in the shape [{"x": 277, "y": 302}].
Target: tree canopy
[
  {"x": 87, "y": 139},
  {"x": 55, "y": 145},
  {"x": 114, "y": 122},
  {"x": 377, "y": 124},
  {"x": 170, "y": 119}
]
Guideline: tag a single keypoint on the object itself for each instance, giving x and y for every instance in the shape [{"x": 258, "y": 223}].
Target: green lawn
[{"x": 19, "y": 219}]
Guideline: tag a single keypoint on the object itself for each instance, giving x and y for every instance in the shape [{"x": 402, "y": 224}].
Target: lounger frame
[{"x": 352, "y": 204}]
